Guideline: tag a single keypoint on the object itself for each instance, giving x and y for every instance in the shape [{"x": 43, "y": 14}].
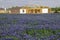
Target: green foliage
[
  {"x": 32, "y": 23},
  {"x": 14, "y": 21},
  {"x": 42, "y": 32},
  {"x": 30, "y": 32},
  {"x": 4, "y": 18},
  {"x": 56, "y": 8},
  {"x": 13, "y": 37}
]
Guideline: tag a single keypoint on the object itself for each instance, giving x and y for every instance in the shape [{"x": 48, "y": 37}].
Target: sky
[{"x": 10, "y": 3}]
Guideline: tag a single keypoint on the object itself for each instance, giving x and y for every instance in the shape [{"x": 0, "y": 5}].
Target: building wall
[
  {"x": 28, "y": 10},
  {"x": 36, "y": 10},
  {"x": 23, "y": 11},
  {"x": 3, "y": 11},
  {"x": 13, "y": 10},
  {"x": 33, "y": 11},
  {"x": 45, "y": 10}
]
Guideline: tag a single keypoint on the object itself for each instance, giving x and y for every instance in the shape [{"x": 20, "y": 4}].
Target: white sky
[{"x": 10, "y": 3}]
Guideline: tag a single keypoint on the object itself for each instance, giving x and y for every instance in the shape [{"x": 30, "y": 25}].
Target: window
[
  {"x": 31, "y": 10},
  {"x": 23, "y": 11},
  {"x": 38, "y": 10},
  {"x": 35, "y": 10}
]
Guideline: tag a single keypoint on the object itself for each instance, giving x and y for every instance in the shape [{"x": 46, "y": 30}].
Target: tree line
[{"x": 56, "y": 9}]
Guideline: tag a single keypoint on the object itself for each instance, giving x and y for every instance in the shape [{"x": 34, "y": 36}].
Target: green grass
[
  {"x": 38, "y": 33},
  {"x": 42, "y": 32},
  {"x": 4, "y": 18},
  {"x": 14, "y": 21},
  {"x": 13, "y": 37}
]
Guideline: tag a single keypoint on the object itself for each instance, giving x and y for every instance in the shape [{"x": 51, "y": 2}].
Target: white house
[
  {"x": 23, "y": 11},
  {"x": 35, "y": 10},
  {"x": 45, "y": 10}
]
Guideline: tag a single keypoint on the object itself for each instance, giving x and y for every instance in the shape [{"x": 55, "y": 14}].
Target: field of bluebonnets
[{"x": 30, "y": 26}]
